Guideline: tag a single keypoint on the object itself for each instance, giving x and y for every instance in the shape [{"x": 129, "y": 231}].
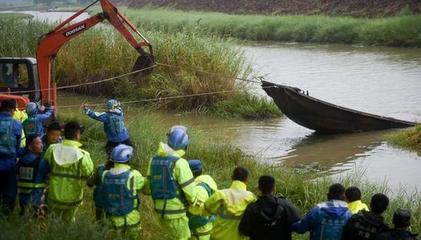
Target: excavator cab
[{"x": 18, "y": 80}]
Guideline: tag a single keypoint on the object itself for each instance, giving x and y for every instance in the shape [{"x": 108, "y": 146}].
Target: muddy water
[{"x": 384, "y": 81}]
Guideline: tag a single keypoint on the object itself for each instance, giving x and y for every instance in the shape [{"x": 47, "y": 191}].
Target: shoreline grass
[
  {"x": 219, "y": 158},
  {"x": 409, "y": 138},
  {"x": 401, "y": 31},
  {"x": 13, "y": 15}
]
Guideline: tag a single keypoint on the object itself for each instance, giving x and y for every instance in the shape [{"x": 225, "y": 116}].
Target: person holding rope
[{"x": 114, "y": 127}]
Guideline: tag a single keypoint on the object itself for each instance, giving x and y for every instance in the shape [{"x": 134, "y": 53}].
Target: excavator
[{"x": 26, "y": 79}]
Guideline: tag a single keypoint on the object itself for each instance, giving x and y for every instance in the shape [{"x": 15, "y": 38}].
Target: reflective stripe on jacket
[
  {"x": 70, "y": 166},
  {"x": 228, "y": 205}
]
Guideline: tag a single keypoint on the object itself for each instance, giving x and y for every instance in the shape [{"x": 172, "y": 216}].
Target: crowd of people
[{"x": 49, "y": 172}]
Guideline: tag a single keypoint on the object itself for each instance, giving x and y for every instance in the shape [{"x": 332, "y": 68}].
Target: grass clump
[
  {"x": 17, "y": 15},
  {"x": 410, "y": 138},
  {"x": 388, "y": 31}
]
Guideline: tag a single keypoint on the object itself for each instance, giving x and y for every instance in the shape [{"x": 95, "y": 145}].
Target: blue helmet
[
  {"x": 178, "y": 137},
  {"x": 31, "y": 108},
  {"x": 122, "y": 153},
  {"x": 195, "y": 165},
  {"x": 112, "y": 104}
]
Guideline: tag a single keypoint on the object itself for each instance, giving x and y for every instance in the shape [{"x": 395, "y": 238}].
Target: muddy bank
[{"x": 329, "y": 7}]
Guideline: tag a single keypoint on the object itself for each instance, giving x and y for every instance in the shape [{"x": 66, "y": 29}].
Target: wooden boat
[{"x": 325, "y": 117}]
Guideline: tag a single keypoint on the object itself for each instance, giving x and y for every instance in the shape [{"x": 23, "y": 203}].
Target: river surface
[{"x": 384, "y": 81}]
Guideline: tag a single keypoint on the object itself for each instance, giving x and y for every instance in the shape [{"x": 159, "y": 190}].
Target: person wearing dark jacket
[
  {"x": 366, "y": 225},
  {"x": 269, "y": 217},
  {"x": 401, "y": 220},
  {"x": 327, "y": 219}
]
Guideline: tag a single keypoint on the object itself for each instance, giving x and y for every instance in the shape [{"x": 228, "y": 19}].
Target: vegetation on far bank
[
  {"x": 403, "y": 31},
  {"x": 15, "y": 15},
  {"x": 410, "y": 138},
  {"x": 220, "y": 158},
  {"x": 101, "y": 53}
]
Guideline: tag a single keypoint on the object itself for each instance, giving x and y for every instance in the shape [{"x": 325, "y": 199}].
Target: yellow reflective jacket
[
  {"x": 21, "y": 116},
  {"x": 69, "y": 167},
  {"x": 357, "y": 206},
  {"x": 228, "y": 205},
  {"x": 183, "y": 176},
  {"x": 133, "y": 218}
]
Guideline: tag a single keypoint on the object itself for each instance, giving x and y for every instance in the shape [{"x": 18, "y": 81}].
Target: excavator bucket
[{"x": 144, "y": 61}]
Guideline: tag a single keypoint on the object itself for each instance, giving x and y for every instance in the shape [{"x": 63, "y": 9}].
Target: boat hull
[{"x": 325, "y": 117}]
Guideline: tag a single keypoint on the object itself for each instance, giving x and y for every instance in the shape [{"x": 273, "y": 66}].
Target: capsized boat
[{"x": 324, "y": 117}]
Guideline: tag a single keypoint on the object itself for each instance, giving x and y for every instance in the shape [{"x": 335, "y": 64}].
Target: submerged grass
[
  {"x": 388, "y": 31},
  {"x": 198, "y": 65},
  {"x": 410, "y": 138},
  {"x": 220, "y": 158}
]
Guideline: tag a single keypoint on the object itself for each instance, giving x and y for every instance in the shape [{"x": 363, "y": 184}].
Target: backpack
[
  {"x": 162, "y": 182},
  {"x": 30, "y": 126},
  {"x": 7, "y": 138},
  {"x": 116, "y": 124},
  {"x": 197, "y": 221},
  {"x": 331, "y": 227},
  {"x": 118, "y": 198}
]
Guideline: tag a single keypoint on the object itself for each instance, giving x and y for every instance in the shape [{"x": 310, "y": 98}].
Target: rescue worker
[
  {"x": 270, "y": 217},
  {"x": 353, "y": 198},
  {"x": 114, "y": 127},
  {"x": 401, "y": 220},
  {"x": 21, "y": 116},
  {"x": 201, "y": 226},
  {"x": 171, "y": 184},
  {"x": 120, "y": 186},
  {"x": 229, "y": 205},
  {"x": 32, "y": 172},
  {"x": 367, "y": 225},
  {"x": 327, "y": 220},
  {"x": 10, "y": 136},
  {"x": 70, "y": 166},
  {"x": 53, "y": 135},
  {"x": 33, "y": 125}
]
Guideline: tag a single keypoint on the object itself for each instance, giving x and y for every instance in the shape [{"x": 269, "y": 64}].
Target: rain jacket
[
  {"x": 204, "y": 231},
  {"x": 228, "y": 205},
  {"x": 113, "y": 121},
  {"x": 21, "y": 116},
  {"x": 8, "y": 159},
  {"x": 364, "y": 225},
  {"x": 357, "y": 206},
  {"x": 36, "y": 121},
  {"x": 70, "y": 166},
  {"x": 132, "y": 219},
  {"x": 397, "y": 234},
  {"x": 325, "y": 221},
  {"x": 182, "y": 174}
]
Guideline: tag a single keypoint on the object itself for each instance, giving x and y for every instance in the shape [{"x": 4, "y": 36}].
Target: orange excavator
[{"x": 28, "y": 79}]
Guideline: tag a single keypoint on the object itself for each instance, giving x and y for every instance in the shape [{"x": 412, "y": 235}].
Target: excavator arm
[{"x": 51, "y": 43}]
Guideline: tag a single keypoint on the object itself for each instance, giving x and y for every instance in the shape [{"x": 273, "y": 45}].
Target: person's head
[
  {"x": 72, "y": 131},
  {"x": 401, "y": 218},
  {"x": 8, "y": 106},
  {"x": 240, "y": 174},
  {"x": 266, "y": 185},
  {"x": 352, "y": 194},
  {"x": 112, "y": 104},
  {"x": 53, "y": 132},
  {"x": 122, "y": 153},
  {"x": 177, "y": 137},
  {"x": 336, "y": 192},
  {"x": 196, "y": 167},
  {"x": 34, "y": 144},
  {"x": 31, "y": 108},
  {"x": 379, "y": 203}
]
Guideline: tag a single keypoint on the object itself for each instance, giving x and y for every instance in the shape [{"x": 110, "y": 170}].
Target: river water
[{"x": 384, "y": 81}]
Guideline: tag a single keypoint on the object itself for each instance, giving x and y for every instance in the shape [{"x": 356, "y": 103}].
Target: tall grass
[
  {"x": 199, "y": 65},
  {"x": 219, "y": 157},
  {"x": 388, "y": 31},
  {"x": 410, "y": 138}
]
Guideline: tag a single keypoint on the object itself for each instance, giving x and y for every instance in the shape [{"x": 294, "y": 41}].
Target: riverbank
[
  {"x": 410, "y": 138},
  {"x": 219, "y": 157},
  {"x": 400, "y": 31},
  {"x": 197, "y": 73}
]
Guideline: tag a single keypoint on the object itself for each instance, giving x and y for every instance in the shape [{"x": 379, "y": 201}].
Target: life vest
[
  {"x": 7, "y": 138},
  {"x": 331, "y": 227},
  {"x": 30, "y": 126},
  {"x": 98, "y": 192},
  {"x": 116, "y": 124},
  {"x": 27, "y": 173},
  {"x": 162, "y": 182},
  {"x": 197, "y": 221},
  {"x": 118, "y": 193}
]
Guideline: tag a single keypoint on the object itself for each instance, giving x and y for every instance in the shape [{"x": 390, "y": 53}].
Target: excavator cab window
[{"x": 14, "y": 76}]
